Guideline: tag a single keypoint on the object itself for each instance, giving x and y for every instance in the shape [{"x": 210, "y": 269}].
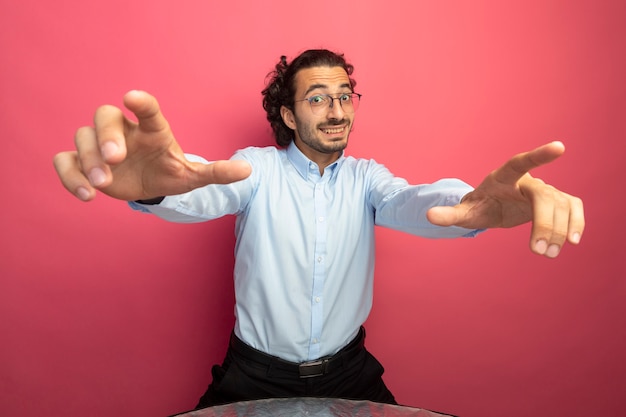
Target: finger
[
  {"x": 221, "y": 172},
  {"x": 576, "y": 221},
  {"x": 543, "y": 217},
  {"x": 551, "y": 210},
  {"x": 146, "y": 109},
  {"x": 109, "y": 122},
  {"x": 89, "y": 158},
  {"x": 68, "y": 169},
  {"x": 520, "y": 164}
]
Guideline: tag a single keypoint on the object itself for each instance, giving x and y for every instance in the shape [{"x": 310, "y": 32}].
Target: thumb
[
  {"x": 444, "y": 215},
  {"x": 221, "y": 172}
]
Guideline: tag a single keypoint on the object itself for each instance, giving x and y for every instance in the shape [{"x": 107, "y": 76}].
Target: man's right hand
[{"x": 139, "y": 160}]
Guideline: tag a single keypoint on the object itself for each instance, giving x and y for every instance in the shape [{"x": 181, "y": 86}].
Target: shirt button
[
  {"x": 321, "y": 219},
  {"x": 318, "y": 299},
  {"x": 320, "y": 259},
  {"x": 315, "y": 341}
]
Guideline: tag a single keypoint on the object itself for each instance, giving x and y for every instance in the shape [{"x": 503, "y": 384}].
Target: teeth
[{"x": 331, "y": 131}]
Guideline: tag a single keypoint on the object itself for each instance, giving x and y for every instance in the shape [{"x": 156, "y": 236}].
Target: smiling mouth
[{"x": 333, "y": 131}]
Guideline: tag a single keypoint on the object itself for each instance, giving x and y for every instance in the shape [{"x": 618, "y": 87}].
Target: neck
[{"x": 320, "y": 158}]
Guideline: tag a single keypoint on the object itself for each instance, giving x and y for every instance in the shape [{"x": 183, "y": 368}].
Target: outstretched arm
[
  {"x": 510, "y": 196},
  {"x": 139, "y": 160}
]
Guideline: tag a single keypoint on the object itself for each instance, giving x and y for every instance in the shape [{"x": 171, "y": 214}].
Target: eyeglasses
[{"x": 349, "y": 102}]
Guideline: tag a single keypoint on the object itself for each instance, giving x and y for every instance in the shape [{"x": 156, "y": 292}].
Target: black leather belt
[{"x": 309, "y": 369}]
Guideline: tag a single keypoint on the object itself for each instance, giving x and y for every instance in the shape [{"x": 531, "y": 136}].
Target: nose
[{"x": 335, "y": 111}]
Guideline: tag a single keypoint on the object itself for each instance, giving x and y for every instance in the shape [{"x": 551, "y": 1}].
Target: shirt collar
[{"x": 303, "y": 164}]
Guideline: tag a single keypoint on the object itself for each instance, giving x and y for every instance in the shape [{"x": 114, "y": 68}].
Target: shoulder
[
  {"x": 259, "y": 154},
  {"x": 363, "y": 165}
]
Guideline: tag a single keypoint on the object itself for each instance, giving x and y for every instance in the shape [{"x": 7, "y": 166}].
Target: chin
[{"x": 337, "y": 146}]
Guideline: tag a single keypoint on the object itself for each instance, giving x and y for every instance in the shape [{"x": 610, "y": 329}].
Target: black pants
[{"x": 248, "y": 374}]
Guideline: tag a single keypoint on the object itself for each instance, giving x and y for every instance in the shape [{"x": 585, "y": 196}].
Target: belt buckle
[{"x": 313, "y": 368}]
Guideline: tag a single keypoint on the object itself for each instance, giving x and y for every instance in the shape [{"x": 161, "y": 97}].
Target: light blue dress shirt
[{"x": 304, "y": 257}]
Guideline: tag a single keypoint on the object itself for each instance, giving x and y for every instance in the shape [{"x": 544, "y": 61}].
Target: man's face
[{"x": 324, "y": 133}]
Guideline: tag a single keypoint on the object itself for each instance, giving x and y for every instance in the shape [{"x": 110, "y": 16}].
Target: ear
[{"x": 288, "y": 117}]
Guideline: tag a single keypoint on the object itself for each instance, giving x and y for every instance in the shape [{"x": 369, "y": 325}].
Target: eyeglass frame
[{"x": 332, "y": 100}]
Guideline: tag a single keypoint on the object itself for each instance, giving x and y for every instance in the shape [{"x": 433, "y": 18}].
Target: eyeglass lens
[{"x": 348, "y": 102}]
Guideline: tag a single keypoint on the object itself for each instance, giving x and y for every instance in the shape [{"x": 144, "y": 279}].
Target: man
[{"x": 305, "y": 223}]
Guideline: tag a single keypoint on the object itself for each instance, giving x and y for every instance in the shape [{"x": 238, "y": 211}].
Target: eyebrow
[{"x": 316, "y": 86}]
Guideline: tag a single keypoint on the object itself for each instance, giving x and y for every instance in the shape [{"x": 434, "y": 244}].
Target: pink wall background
[{"x": 105, "y": 312}]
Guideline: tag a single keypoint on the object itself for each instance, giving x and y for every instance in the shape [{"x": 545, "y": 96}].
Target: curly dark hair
[{"x": 280, "y": 87}]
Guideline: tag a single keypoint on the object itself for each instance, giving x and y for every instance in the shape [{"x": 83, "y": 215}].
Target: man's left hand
[{"x": 510, "y": 196}]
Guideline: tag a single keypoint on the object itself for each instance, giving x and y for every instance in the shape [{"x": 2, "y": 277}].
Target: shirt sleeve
[
  {"x": 202, "y": 204},
  {"x": 401, "y": 206}
]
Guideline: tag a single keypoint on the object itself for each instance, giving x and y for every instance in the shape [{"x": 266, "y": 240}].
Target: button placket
[{"x": 319, "y": 270}]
